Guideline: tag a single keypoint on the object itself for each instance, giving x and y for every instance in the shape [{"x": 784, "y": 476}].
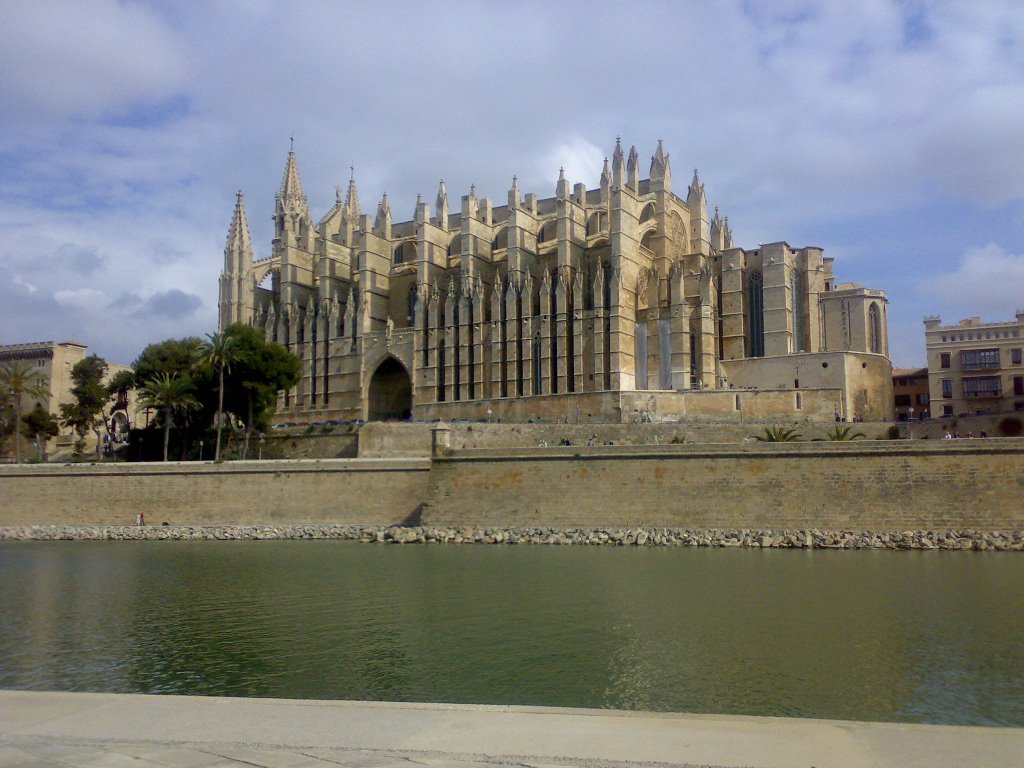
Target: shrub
[
  {"x": 839, "y": 433},
  {"x": 778, "y": 435}
]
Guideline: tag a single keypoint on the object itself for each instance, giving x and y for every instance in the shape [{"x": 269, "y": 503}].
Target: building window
[
  {"x": 1015, "y": 356},
  {"x": 979, "y": 359},
  {"x": 922, "y": 398},
  {"x": 982, "y": 386},
  {"x": 947, "y": 410},
  {"x": 944, "y": 360},
  {"x": 1018, "y": 386},
  {"x": 947, "y": 387},
  {"x": 797, "y": 288},
  {"x": 755, "y": 294},
  {"x": 902, "y": 400}
]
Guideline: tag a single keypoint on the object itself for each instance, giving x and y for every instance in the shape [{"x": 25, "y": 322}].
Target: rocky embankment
[{"x": 645, "y": 537}]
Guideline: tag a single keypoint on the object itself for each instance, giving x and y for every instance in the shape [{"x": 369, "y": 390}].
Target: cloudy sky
[{"x": 889, "y": 133}]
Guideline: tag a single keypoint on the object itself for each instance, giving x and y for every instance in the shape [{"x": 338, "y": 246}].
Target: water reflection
[{"x": 915, "y": 636}]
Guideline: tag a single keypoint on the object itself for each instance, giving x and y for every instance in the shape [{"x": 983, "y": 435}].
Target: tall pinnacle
[
  {"x": 291, "y": 197},
  {"x": 239, "y": 244}
]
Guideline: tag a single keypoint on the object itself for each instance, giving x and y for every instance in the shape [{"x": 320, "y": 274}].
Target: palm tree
[
  {"x": 219, "y": 352},
  {"x": 840, "y": 433},
  {"x": 18, "y": 378},
  {"x": 778, "y": 435},
  {"x": 168, "y": 394}
]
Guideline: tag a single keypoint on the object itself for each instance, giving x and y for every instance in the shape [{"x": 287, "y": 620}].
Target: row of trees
[
  {"x": 231, "y": 378},
  {"x": 194, "y": 387}
]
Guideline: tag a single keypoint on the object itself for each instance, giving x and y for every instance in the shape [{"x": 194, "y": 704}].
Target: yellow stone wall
[{"x": 861, "y": 486}]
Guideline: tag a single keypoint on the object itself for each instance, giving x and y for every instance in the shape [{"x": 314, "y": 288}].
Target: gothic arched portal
[{"x": 390, "y": 395}]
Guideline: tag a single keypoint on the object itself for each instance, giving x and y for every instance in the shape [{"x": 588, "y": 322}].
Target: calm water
[{"x": 914, "y": 636}]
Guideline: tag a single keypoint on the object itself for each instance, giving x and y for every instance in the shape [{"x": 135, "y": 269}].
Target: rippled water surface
[{"x": 914, "y": 636}]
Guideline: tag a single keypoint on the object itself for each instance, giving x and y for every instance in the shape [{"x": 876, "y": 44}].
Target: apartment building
[{"x": 975, "y": 367}]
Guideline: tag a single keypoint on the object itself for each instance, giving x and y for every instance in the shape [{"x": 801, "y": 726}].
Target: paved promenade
[{"x": 87, "y": 730}]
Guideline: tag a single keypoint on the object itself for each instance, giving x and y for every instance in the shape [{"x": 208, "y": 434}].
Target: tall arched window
[
  {"x": 796, "y": 280},
  {"x": 755, "y": 300},
  {"x": 411, "y": 304},
  {"x": 875, "y": 328}
]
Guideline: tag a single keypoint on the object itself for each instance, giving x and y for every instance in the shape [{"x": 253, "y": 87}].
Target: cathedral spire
[
  {"x": 235, "y": 304},
  {"x": 352, "y": 196},
  {"x": 238, "y": 251},
  {"x": 618, "y": 163},
  {"x": 562, "y": 186},
  {"x": 441, "y": 206},
  {"x": 696, "y": 187},
  {"x": 659, "y": 163},
  {"x": 291, "y": 198},
  {"x": 633, "y": 170},
  {"x": 382, "y": 224}
]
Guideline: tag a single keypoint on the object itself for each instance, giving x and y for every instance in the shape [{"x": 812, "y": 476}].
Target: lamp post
[
  {"x": 262, "y": 438},
  {"x": 200, "y": 450},
  {"x": 489, "y": 412}
]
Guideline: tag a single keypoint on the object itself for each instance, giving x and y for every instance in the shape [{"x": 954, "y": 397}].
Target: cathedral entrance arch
[{"x": 390, "y": 395}]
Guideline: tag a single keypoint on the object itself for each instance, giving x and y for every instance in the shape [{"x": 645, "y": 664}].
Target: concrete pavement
[{"x": 91, "y": 730}]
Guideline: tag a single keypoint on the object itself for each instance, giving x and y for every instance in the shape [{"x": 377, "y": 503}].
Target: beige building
[
  {"x": 910, "y": 393},
  {"x": 54, "y": 360},
  {"x": 623, "y": 302},
  {"x": 975, "y": 367}
]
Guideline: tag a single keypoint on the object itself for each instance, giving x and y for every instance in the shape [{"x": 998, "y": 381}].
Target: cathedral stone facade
[{"x": 623, "y": 303}]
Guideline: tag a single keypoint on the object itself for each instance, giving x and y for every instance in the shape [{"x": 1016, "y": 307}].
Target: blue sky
[{"x": 889, "y": 133}]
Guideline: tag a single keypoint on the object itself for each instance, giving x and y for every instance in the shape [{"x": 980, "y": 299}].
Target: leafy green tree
[
  {"x": 219, "y": 352},
  {"x": 91, "y": 397},
  {"x": 176, "y": 357},
  {"x": 261, "y": 369},
  {"x": 257, "y": 372},
  {"x": 19, "y": 378},
  {"x": 169, "y": 394},
  {"x": 120, "y": 384},
  {"x": 180, "y": 358},
  {"x": 40, "y": 425},
  {"x": 778, "y": 435}
]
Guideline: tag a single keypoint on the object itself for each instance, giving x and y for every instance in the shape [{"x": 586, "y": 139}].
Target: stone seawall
[
  {"x": 365, "y": 491},
  {"x": 639, "y": 537},
  {"x": 934, "y": 485},
  {"x": 863, "y": 485}
]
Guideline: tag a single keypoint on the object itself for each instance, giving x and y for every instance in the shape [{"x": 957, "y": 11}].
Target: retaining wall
[
  {"x": 867, "y": 485},
  {"x": 370, "y": 491}
]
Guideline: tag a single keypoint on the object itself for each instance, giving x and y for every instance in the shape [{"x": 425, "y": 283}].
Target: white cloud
[
  {"x": 26, "y": 285},
  {"x": 127, "y": 128},
  {"x": 988, "y": 281},
  {"x": 581, "y": 159},
  {"x": 81, "y": 297},
  {"x": 65, "y": 58}
]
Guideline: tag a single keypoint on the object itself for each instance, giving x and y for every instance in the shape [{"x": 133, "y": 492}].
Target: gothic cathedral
[{"x": 621, "y": 303}]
